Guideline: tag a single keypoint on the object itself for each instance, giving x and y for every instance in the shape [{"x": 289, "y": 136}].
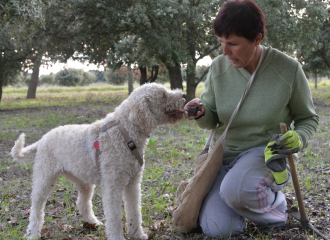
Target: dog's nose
[{"x": 184, "y": 96}]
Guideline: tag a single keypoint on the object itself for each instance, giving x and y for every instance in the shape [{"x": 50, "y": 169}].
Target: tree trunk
[
  {"x": 154, "y": 74},
  {"x": 34, "y": 78},
  {"x": 191, "y": 81},
  {"x": 191, "y": 65},
  {"x": 0, "y": 89},
  {"x": 143, "y": 78},
  {"x": 130, "y": 79},
  {"x": 315, "y": 80},
  {"x": 325, "y": 56},
  {"x": 174, "y": 73}
]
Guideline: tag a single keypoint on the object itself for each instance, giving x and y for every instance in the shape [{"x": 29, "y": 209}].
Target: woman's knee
[
  {"x": 230, "y": 195},
  {"x": 224, "y": 228}
]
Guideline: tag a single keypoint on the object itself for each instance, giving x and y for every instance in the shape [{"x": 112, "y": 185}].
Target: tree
[
  {"x": 178, "y": 32},
  {"x": 131, "y": 49},
  {"x": 200, "y": 40},
  {"x": 301, "y": 29},
  {"x": 322, "y": 48},
  {"x": 98, "y": 26},
  {"x": 17, "y": 21},
  {"x": 10, "y": 61},
  {"x": 52, "y": 41},
  {"x": 159, "y": 23},
  {"x": 165, "y": 31}
]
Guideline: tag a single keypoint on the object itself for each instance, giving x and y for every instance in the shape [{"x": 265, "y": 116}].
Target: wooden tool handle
[{"x": 303, "y": 215}]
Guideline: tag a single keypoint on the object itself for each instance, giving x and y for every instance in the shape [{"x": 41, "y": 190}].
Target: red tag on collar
[{"x": 96, "y": 145}]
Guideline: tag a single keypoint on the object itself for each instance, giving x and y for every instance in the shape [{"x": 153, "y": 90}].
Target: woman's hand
[{"x": 193, "y": 103}]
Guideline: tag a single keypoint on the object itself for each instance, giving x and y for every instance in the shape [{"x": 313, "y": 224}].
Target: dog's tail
[{"x": 19, "y": 152}]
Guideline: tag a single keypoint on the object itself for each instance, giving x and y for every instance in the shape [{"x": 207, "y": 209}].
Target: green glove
[
  {"x": 276, "y": 161},
  {"x": 287, "y": 143}
]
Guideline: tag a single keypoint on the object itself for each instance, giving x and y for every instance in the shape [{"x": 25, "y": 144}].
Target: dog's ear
[{"x": 141, "y": 115}]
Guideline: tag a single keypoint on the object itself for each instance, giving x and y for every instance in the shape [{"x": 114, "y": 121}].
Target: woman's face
[{"x": 241, "y": 52}]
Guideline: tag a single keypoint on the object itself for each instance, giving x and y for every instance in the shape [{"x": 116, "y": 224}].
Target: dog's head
[{"x": 153, "y": 105}]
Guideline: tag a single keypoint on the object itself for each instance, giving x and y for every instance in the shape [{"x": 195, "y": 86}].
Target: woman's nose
[{"x": 225, "y": 49}]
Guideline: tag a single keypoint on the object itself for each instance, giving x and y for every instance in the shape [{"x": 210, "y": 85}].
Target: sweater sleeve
[
  {"x": 302, "y": 108},
  {"x": 210, "y": 118}
]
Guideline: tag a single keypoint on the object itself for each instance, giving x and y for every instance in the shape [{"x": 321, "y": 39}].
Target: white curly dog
[{"x": 69, "y": 150}]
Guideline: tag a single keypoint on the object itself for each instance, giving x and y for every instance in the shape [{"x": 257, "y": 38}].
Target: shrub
[
  {"x": 113, "y": 77},
  {"x": 21, "y": 79},
  {"x": 73, "y": 77},
  {"x": 69, "y": 77},
  {"x": 99, "y": 75},
  {"x": 47, "y": 79},
  {"x": 89, "y": 78}
]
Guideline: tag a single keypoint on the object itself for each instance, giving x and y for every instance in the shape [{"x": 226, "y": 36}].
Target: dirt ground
[{"x": 315, "y": 180}]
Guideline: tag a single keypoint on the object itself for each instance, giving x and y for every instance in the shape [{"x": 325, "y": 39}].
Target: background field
[{"x": 169, "y": 159}]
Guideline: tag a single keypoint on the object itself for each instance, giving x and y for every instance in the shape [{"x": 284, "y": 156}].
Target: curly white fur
[{"x": 69, "y": 150}]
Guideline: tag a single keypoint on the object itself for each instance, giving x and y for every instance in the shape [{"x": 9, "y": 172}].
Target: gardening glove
[
  {"x": 288, "y": 142},
  {"x": 276, "y": 161}
]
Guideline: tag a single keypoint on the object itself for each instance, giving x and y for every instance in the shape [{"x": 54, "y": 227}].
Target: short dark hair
[{"x": 241, "y": 17}]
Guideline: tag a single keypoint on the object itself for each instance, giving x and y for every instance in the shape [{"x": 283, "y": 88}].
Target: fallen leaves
[
  {"x": 55, "y": 212},
  {"x": 25, "y": 213},
  {"x": 45, "y": 233},
  {"x": 158, "y": 224},
  {"x": 63, "y": 227},
  {"x": 90, "y": 226},
  {"x": 12, "y": 221}
]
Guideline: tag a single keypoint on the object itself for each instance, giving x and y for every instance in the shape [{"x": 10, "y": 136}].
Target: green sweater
[{"x": 279, "y": 93}]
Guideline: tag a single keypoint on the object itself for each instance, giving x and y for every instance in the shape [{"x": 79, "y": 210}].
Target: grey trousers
[{"x": 244, "y": 189}]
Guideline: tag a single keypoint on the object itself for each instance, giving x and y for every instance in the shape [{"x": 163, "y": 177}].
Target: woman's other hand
[{"x": 192, "y": 104}]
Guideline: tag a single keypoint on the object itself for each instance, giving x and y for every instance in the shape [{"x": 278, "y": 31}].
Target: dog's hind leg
[
  {"x": 42, "y": 187},
  {"x": 132, "y": 203},
  {"x": 84, "y": 201}
]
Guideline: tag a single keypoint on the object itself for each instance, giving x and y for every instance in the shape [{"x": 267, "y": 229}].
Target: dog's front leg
[
  {"x": 132, "y": 203},
  {"x": 112, "y": 204}
]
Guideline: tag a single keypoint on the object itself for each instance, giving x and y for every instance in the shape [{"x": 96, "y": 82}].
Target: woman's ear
[{"x": 258, "y": 39}]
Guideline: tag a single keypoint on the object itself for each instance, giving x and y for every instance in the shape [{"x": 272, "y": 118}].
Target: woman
[{"x": 248, "y": 184}]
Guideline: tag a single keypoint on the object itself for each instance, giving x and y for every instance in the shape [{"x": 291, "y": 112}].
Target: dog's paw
[
  {"x": 141, "y": 236},
  {"x": 31, "y": 237},
  {"x": 98, "y": 223}
]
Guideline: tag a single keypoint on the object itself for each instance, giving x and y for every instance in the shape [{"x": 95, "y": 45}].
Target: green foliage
[
  {"x": 114, "y": 77},
  {"x": 21, "y": 79},
  {"x": 10, "y": 60},
  {"x": 89, "y": 78},
  {"x": 99, "y": 75},
  {"x": 200, "y": 69},
  {"x": 74, "y": 77},
  {"x": 47, "y": 79},
  {"x": 163, "y": 76},
  {"x": 69, "y": 77}
]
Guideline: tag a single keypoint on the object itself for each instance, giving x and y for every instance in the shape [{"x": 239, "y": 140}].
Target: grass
[
  {"x": 322, "y": 93},
  {"x": 169, "y": 160}
]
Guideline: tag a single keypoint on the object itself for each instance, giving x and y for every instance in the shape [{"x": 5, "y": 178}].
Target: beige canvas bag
[{"x": 190, "y": 194}]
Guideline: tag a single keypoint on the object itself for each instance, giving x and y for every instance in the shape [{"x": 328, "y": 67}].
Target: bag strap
[
  {"x": 263, "y": 54},
  {"x": 208, "y": 143}
]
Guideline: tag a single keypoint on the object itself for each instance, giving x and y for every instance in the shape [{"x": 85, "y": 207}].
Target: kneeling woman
[{"x": 248, "y": 186}]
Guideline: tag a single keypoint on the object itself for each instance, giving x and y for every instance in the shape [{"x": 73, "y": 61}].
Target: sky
[{"x": 46, "y": 70}]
